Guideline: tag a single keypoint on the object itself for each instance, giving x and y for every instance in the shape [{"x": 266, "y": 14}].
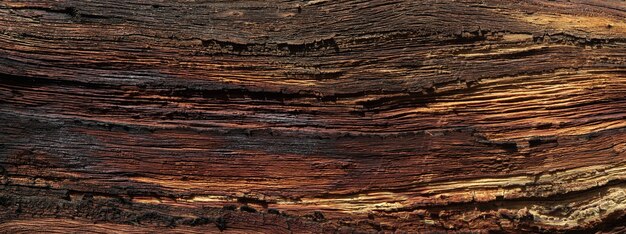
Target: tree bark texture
[{"x": 313, "y": 116}]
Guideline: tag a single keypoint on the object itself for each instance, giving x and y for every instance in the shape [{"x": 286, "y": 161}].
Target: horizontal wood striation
[{"x": 312, "y": 116}]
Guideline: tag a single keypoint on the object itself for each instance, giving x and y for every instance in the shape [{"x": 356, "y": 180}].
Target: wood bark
[{"x": 312, "y": 116}]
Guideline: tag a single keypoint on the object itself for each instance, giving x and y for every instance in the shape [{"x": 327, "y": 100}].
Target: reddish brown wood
[{"x": 312, "y": 116}]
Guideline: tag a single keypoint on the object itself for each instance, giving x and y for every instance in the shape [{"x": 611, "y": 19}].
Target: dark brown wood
[{"x": 312, "y": 116}]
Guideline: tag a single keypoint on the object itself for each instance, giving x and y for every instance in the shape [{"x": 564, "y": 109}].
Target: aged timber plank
[{"x": 312, "y": 116}]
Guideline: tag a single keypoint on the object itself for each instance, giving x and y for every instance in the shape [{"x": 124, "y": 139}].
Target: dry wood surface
[{"x": 320, "y": 116}]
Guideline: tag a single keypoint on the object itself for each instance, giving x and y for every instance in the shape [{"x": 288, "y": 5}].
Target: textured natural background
[{"x": 312, "y": 116}]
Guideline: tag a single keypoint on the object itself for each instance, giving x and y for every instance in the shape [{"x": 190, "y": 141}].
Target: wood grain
[{"x": 312, "y": 116}]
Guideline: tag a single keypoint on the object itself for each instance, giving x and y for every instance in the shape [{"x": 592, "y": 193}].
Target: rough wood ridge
[{"x": 313, "y": 116}]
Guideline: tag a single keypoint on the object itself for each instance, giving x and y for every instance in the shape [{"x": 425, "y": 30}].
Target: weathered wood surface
[{"x": 312, "y": 116}]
